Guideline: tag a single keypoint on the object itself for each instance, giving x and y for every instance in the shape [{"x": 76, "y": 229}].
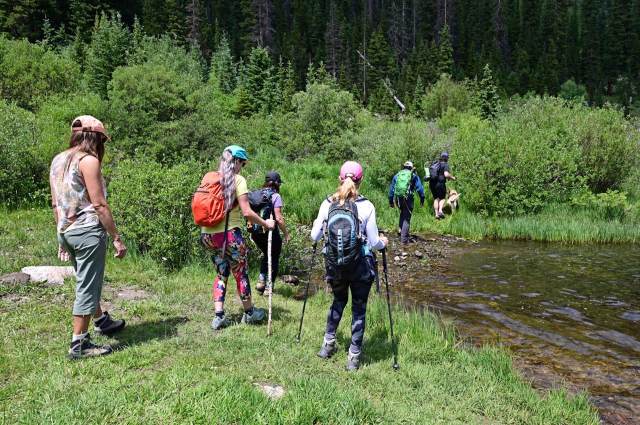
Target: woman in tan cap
[{"x": 83, "y": 219}]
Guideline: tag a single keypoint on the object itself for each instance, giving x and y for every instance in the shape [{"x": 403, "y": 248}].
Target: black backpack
[
  {"x": 260, "y": 202},
  {"x": 434, "y": 170},
  {"x": 343, "y": 241}
]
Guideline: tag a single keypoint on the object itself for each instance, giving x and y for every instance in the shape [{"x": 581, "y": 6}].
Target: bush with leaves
[
  {"x": 322, "y": 113},
  {"x": 528, "y": 158},
  {"x": 445, "y": 94},
  {"x": 151, "y": 204},
  {"x": 21, "y": 172},
  {"x": 29, "y": 73},
  {"x": 142, "y": 97}
]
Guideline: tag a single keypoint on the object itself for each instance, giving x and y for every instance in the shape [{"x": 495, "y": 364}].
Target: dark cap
[
  {"x": 273, "y": 176},
  {"x": 444, "y": 155}
]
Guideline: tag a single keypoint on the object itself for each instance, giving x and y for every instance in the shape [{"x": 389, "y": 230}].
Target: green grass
[{"x": 171, "y": 368}]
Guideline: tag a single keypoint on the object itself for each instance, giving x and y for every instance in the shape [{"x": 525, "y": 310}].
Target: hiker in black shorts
[{"x": 438, "y": 185}]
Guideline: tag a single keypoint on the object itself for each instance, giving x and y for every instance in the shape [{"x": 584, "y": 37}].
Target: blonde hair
[
  {"x": 228, "y": 179},
  {"x": 348, "y": 190}
]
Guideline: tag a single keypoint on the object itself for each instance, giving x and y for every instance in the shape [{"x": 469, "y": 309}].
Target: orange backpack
[{"x": 207, "y": 204}]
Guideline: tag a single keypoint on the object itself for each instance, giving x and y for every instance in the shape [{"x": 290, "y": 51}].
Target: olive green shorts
[{"x": 87, "y": 248}]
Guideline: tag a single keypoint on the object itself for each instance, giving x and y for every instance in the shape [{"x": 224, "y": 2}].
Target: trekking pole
[
  {"x": 269, "y": 278},
  {"x": 375, "y": 263},
  {"x": 386, "y": 282},
  {"x": 306, "y": 291}
]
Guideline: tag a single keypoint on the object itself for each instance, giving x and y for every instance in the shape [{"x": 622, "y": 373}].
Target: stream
[{"x": 570, "y": 314}]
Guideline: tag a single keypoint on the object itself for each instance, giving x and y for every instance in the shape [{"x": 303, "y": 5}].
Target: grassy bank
[{"x": 171, "y": 368}]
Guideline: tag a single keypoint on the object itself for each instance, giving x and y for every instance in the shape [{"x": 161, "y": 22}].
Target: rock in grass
[
  {"x": 18, "y": 278},
  {"x": 290, "y": 279},
  {"x": 418, "y": 254},
  {"x": 54, "y": 275},
  {"x": 272, "y": 391}
]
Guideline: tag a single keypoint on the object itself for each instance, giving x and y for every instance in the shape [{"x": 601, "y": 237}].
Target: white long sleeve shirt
[{"x": 366, "y": 215}]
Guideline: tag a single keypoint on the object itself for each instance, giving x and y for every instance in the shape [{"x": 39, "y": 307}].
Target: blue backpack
[{"x": 343, "y": 241}]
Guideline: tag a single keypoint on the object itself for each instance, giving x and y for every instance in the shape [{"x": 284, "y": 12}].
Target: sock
[
  {"x": 220, "y": 314},
  {"x": 99, "y": 319},
  {"x": 75, "y": 337},
  {"x": 250, "y": 311}
]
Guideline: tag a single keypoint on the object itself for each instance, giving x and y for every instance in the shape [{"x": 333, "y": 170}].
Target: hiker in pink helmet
[
  {"x": 83, "y": 220},
  {"x": 347, "y": 221}
]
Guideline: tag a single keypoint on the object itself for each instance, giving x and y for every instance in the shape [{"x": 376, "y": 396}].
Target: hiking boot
[
  {"x": 328, "y": 349},
  {"x": 261, "y": 285},
  {"x": 107, "y": 326},
  {"x": 85, "y": 348},
  {"x": 353, "y": 361},
  {"x": 257, "y": 316},
  {"x": 219, "y": 323}
]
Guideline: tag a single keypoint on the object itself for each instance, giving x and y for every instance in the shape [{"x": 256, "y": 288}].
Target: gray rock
[
  {"x": 54, "y": 275},
  {"x": 290, "y": 279},
  {"x": 272, "y": 391},
  {"x": 396, "y": 258},
  {"x": 18, "y": 278},
  {"x": 419, "y": 254}
]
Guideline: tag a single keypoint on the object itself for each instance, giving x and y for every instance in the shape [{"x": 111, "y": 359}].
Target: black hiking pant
[
  {"x": 261, "y": 240},
  {"x": 359, "y": 296},
  {"x": 406, "y": 211}
]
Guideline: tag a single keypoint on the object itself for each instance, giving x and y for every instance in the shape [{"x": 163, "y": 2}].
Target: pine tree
[
  {"x": 110, "y": 41},
  {"x": 222, "y": 66},
  {"x": 488, "y": 94},
  {"x": 333, "y": 41},
  {"x": 176, "y": 20},
  {"x": 258, "y": 79},
  {"x": 154, "y": 17},
  {"x": 444, "y": 59},
  {"x": 286, "y": 85}
]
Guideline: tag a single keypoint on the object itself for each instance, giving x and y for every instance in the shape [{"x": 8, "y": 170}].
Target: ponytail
[
  {"x": 228, "y": 179},
  {"x": 348, "y": 190}
]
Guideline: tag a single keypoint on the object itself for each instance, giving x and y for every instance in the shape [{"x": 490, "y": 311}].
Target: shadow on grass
[
  {"x": 141, "y": 333},
  {"x": 377, "y": 347}
]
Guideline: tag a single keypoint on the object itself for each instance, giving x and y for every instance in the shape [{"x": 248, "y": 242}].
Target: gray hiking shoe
[
  {"x": 261, "y": 285},
  {"x": 83, "y": 348},
  {"x": 353, "y": 361},
  {"x": 219, "y": 323},
  {"x": 107, "y": 326},
  {"x": 328, "y": 349},
  {"x": 257, "y": 316}
]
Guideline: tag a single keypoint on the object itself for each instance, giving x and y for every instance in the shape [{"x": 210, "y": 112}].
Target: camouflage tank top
[{"x": 73, "y": 205}]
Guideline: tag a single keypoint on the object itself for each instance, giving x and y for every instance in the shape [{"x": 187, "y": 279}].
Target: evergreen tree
[
  {"x": 154, "y": 16},
  {"x": 258, "y": 79},
  {"x": 110, "y": 42},
  {"x": 488, "y": 94},
  {"x": 445, "y": 52},
  {"x": 286, "y": 85},
  {"x": 222, "y": 66},
  {"x": 176, "y": 20}
]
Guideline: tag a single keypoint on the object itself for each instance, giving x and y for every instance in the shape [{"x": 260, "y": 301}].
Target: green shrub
[
  {"x": 151, "y": 204},
  {"x": 54, "y": 121},
  {"x": 20, "y": 171},
  {"x": 528, "y": 158},
  {"x": 383, "y": 146},
  {"x": 445, "y": 94},
  {"x": 29, "y": 73},
  {"x": 322, "y": 113},
  {"x": 610, "y": 205},
  {"x": 142, "y": 96}
]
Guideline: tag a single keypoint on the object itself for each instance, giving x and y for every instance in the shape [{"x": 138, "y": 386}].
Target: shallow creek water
[{"x": 570, "y": 314}]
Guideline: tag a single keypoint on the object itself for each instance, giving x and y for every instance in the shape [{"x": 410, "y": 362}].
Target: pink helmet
[{"x": 351, "y": 169}]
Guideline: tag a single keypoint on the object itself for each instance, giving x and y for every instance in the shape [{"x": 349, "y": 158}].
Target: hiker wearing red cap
[
  {"x": 348, "y": 223},
  {"x": 83, "y": 220}
]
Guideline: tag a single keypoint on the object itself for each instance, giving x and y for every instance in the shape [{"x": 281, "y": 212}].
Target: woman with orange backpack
[{"x": 230, "y": 254}]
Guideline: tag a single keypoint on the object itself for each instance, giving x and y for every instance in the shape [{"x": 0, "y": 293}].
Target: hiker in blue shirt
[{"x": 403, "y": 186}]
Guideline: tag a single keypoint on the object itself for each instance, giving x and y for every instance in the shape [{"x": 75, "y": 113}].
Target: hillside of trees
[{"x": 591, "y": 47}]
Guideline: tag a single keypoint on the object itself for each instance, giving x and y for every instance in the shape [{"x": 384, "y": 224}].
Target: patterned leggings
[{"x": 235, "y": 262}]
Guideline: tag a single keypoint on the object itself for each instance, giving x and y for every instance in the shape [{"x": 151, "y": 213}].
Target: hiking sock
[
  {"x": 75, "y": 337},
  {"x": 220, "y": 314}
]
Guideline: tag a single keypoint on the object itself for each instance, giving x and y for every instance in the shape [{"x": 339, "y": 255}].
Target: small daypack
[
  {"x": 403, "y": 184},
  {"x": 261, "y": 203},
  {"x": 207, "y": 204},
  {"x": 434, "y": 170},
  {"x": 343, "y": 241}
]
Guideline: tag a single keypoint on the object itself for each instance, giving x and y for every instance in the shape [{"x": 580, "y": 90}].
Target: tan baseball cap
[{"x": 90, "y": 124}]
